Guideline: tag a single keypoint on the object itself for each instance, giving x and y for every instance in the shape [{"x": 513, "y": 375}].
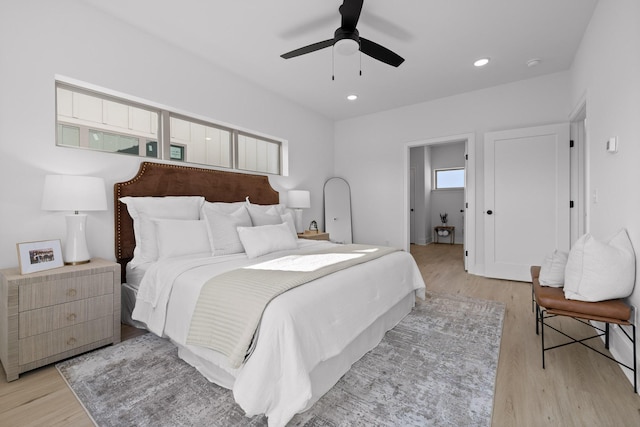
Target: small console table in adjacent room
[{"x": 449, "y": 228}]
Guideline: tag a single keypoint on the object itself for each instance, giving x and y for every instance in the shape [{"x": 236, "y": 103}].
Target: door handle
[{"x": 489, "y": 212}]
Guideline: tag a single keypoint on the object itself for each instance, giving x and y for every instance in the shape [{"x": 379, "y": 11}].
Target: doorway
[
  {"x": 578, "y": 178},
  {"x": 424, "y": 206}
]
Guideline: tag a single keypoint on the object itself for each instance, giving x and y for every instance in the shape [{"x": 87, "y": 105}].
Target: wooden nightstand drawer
[
  {"x": 34, "y": 322},
  {"x": 44, "y": 345},
  {"x": 59, "y": 291}
]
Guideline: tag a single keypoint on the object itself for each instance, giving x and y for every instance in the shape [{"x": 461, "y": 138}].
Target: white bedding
[{"x": 276, "y": 380}]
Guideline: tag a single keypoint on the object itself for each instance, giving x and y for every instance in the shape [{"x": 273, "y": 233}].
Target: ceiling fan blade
[
  {"x": 350, "y": 11},
  {"x": 380, "y": 53},
  {"x": 308, "y": 49}
]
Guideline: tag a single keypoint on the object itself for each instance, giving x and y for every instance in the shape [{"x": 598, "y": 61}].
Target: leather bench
[{"x": 550, "y": 302}]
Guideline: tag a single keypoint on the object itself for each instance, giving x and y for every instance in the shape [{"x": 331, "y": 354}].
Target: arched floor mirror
[{"x": 337, "y": 210}]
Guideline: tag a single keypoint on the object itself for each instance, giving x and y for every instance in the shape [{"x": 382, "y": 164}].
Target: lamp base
[
  {"x": 76, "y": 251},
  {"x": 298, "y": 220}
]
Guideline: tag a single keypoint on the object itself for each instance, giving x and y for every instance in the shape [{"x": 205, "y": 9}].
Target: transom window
[
  {"x": 450, "y": 178},
  {"x": 98, "y": 121}
]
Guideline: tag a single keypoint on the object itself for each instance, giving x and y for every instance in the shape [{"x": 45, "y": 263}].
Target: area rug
[{"x": 437, "y": 367}]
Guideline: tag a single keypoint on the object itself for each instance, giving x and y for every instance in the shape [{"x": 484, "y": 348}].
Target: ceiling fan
[{"x": 347, "y": 39}]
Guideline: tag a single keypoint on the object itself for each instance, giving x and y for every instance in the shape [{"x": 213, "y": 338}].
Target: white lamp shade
[
  {"x": 74, "y": 193},
  {"x": 299, "y": 199}
]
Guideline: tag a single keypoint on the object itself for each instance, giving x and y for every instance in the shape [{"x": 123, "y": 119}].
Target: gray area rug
[{"x": 437, "y": 367}]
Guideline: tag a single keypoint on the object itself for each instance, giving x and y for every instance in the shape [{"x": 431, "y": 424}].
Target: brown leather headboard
[{"x": 158, "y": 179}]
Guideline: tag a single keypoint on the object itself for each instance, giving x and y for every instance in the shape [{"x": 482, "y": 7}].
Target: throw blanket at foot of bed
[{"x": 230, "y": 305}]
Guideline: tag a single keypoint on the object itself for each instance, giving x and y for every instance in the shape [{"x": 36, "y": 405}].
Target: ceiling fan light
[
  {"x": 352, "y": 97},
  {"x": 347, "y": 46},
  {"x": 481, "y": 62}
]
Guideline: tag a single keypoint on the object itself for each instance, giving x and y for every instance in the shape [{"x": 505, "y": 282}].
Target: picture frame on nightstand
[{"x": 39, "y": 256}]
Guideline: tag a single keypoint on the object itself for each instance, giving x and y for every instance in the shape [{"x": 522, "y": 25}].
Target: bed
[{"x": 307, "y": 337}]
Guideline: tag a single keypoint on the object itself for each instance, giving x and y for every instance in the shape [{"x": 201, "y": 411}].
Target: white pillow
[
  {"x": 552, "y": 270},
  {"x": 265, "y": 214},
  {"x": 180, "y": 237},
  {"x": 265, "y": 239},
  {"x": 287, "y": 218},
  {"x": 224, "y": 207},
  {"x": 143, "y": 209},
  {"x": 280, "y": 208},
  {"x": 269, "y": 217},
  {"x": 598, "y": 271},
  {"x": 223, "y": 222}
]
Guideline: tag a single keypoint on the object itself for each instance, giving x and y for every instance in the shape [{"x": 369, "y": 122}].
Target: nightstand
[
  {"x": 313, "y": 235},
  {"x": 55, "y": 314}
]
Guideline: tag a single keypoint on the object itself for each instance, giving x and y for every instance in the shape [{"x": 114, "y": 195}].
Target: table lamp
[
  {"x": 74, "y": 193},
  {"x": 298, "y": 200}
]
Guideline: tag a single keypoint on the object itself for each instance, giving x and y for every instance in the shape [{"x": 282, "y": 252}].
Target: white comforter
[{"x": 299, "y": 329}]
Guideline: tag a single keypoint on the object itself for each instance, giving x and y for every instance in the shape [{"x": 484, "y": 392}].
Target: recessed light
[
  {"x": 481, "y": 62},
  {"x": 352, "y": 97}
]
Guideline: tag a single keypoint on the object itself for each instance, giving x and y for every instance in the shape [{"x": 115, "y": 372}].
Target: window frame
[
  {"x": 163, "y": 137},
  {"x": 435, "y": 178}
]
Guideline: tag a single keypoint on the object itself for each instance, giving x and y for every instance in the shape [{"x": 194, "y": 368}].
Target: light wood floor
[{"x": 577, "y": 388}]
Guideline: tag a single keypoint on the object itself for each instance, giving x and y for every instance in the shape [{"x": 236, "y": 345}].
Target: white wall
[
  {"x": 41, "y": 39},
  {"x": 606, "y": 73},
  {"x": 369, "y": 149}
]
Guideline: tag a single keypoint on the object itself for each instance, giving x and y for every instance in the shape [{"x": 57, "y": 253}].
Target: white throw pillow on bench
[
  {"x": 552, "y": 269},
  {"x": 598, "y": 271}
]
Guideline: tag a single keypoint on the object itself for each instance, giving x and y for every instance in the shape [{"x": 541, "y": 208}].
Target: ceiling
[{"x": 439, "y": 39}]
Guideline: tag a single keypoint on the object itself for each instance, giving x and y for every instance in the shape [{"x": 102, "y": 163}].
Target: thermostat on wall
[{"x": 612, "y": 145}]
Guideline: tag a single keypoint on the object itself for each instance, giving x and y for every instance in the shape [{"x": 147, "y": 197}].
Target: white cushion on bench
[{"x": 598, "y": 271}]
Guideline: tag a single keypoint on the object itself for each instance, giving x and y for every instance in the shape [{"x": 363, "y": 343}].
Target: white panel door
[{"x": 526, "y": 205}]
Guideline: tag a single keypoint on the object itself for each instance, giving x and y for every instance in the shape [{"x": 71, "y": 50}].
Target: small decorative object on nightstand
[
  {"x": 51, "y": 315},
  {"x": 313, "y": 235},
  {"x": 313, "y": 226}
]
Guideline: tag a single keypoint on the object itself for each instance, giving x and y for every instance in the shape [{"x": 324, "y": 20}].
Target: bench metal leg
[
  {"x": 541, "y": 315},
  {"x": 541, "y": 333}
]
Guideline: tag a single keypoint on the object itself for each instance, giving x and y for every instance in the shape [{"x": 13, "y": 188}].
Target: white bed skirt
[{"x": 328, "y": 372}]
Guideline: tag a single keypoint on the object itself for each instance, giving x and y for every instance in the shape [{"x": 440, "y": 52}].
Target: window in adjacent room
[
  {"x": 450, "y": 178},
  {"x": 88, "y": 118}
]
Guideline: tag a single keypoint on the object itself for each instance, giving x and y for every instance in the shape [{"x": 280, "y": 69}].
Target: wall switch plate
[{"x": 612, "y": 145}]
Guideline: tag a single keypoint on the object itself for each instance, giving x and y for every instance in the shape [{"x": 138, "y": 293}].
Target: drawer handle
[
  {"x": 71, "y": 317},
  {"x": 71, "y": 293},
  {"x": 71, "y": 341}
]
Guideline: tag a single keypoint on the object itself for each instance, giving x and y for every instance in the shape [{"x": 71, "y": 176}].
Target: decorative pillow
[
  {"x": 598, "y": 271},
  {"x": 287, "y": 218},
  {"x": 143, "y": 209},
  {"x": 280, "y": 208},
  {"x": 222, "y": 223},
  {"x": 179, "y": 237},
  {"x": 260, "y": 217},
  {"x": 265, "y": 239},
  {"x": 224, "y": 207},
  {"x": 552, "y": 270},
  {"x": 265, "y": 214}
]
